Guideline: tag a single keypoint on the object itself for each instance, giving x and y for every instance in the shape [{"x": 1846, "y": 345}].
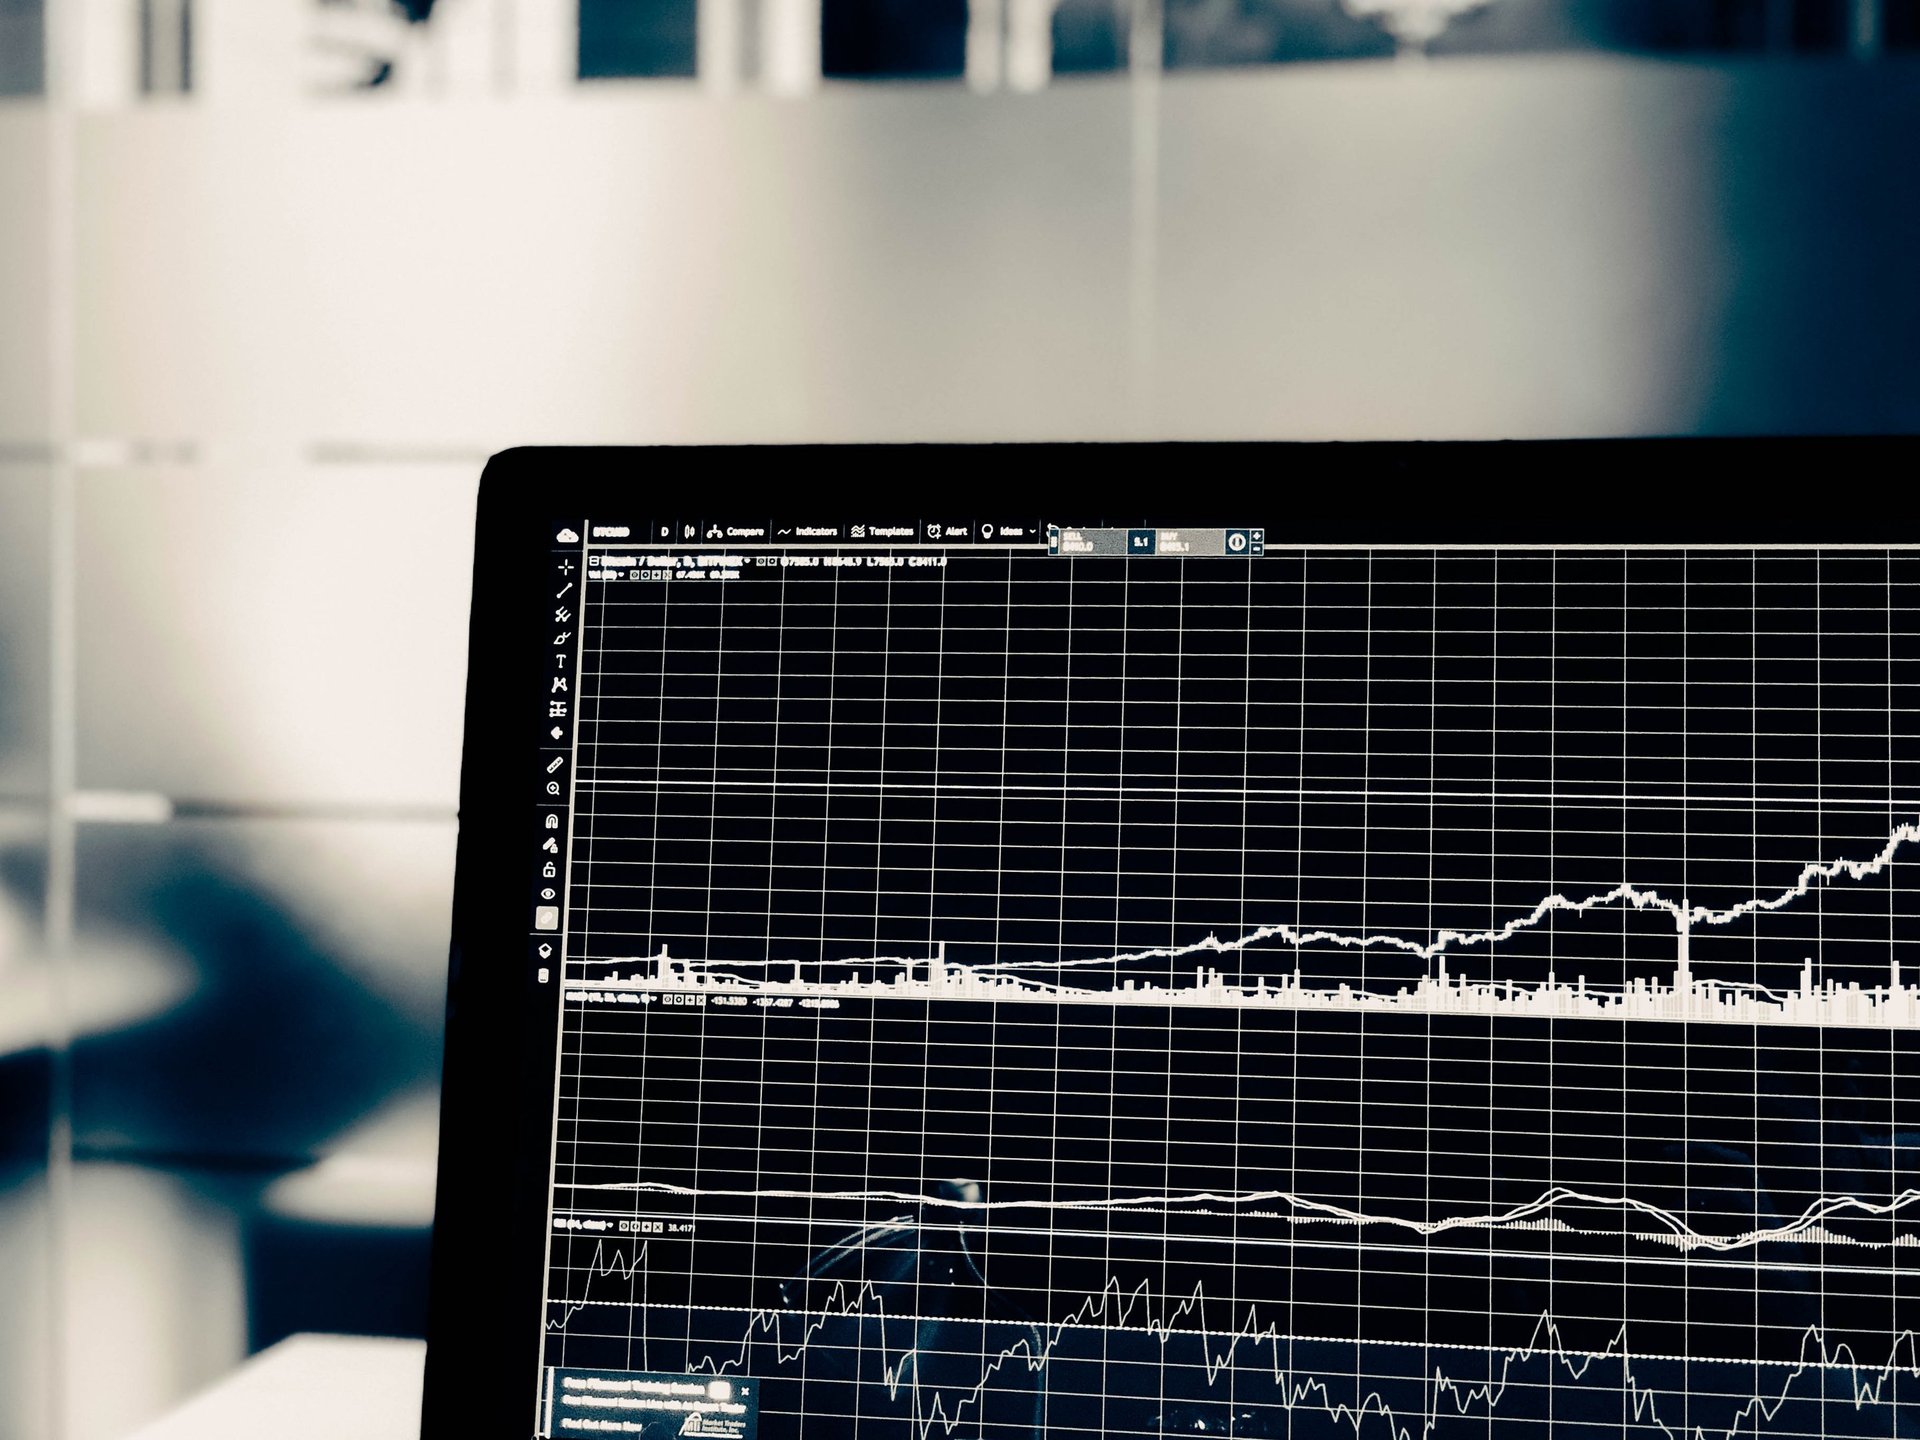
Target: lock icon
[{"x": 546, "y": 871}]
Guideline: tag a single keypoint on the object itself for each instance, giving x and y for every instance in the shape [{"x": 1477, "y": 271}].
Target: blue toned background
[{"x": 277, "y": 275}]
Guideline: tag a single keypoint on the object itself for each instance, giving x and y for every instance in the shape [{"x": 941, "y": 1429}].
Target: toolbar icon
[
  {"x": 556, "y": 732},
  {"x": 552, "y": 847},
  {"x": 567, "y": 537},
  {"x": 546, "y": 951},
  {"x": 553, "y": 821},
  {"x": 556, "y": 763},
  {"x": 546, "y": 917}
]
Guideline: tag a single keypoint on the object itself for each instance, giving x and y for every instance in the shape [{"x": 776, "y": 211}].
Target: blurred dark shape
[
  {"x": 23, "y": 45},
  {"x": 1089, "y": 36},
  {"x": 1815, "y": 330},
  {"x": 878, "y": 38},
  {"x": 1256, "y": 32},
  {"x": 875, "y": 38},
  {"x": 363, "y": 57},
  {"x": 277, "y": 1050},
  {"x": 304, "y": 1276},
  {"x": 166, "y": 47},
  {"x": 26, "y": 1091},
  {"x": 1650, "y": 26},
  {"x": 275, "y": 1054},
  {"x": 636, "y": 38},
  {"x": 414, "y": 12},
  {"x": 26, "y": 1074}
]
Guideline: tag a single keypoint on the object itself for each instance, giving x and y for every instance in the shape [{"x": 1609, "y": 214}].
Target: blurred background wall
[{"x": 277, "y": 275}]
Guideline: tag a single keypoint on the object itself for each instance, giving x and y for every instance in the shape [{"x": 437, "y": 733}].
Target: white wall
[{"x": 1545, "y": 247}]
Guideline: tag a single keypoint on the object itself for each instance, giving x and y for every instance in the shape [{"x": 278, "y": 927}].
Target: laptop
[{"x": 1201, "y": 949}]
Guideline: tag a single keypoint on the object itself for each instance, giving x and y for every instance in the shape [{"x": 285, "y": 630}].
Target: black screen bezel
[{"x": 484, "y": 1324}]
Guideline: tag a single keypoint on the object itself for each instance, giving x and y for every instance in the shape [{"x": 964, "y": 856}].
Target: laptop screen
[{"x": 1016, "y": 977}]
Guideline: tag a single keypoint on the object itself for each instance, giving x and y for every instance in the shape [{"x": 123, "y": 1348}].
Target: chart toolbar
[{"x": 1000, "y": 532}]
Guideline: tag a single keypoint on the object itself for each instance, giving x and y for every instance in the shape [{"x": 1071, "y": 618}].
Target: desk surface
[{"x": 311, "y": 1387}]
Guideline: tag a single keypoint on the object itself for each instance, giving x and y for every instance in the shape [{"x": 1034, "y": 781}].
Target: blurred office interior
[{"x": 277, "y": 275}]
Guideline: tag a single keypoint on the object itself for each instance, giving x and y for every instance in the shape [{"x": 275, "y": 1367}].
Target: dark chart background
[{"x": 924, "y": 1215}]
